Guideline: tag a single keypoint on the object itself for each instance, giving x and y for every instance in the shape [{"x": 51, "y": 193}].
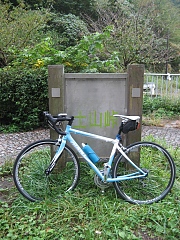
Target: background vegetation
[
  {"x": 85, "y": 36},
  {"x": 23, "y": 106},
  {"x": 161, "y": 107}
]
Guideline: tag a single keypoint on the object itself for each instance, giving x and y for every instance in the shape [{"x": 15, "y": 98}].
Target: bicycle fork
[{"x": 56, "y": 156}]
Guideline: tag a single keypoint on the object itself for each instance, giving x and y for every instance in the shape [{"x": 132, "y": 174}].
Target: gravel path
[{"x": 12, "y": 144}]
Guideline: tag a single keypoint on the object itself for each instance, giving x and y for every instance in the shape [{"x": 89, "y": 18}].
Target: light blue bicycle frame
[{"x": 139, "y": 174}]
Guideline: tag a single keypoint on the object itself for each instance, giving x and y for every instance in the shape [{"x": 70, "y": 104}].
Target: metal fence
[{"x": 162, "y": 85}]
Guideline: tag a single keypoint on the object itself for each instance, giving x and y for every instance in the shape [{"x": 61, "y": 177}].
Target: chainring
[{"x": 98, "y": 181}]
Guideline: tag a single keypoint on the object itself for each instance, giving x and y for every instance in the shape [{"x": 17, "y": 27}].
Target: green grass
[{"x": 87, "y": 214}]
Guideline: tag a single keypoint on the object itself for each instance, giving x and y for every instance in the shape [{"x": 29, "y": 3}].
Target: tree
[
  {"x": 18, "y": 28},
  {"x": 66, "y": 30},
  {"x": 139, "y": 30},
  {"x": 75, "y": 7}
]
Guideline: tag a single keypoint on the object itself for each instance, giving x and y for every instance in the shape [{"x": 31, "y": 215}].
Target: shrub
[
  {"x": 40, "y": 56},
  {"x": 23, "y": 97},
  {"x": 19, "y": 28},
  {"x": 66, "y": 30},
  {"x": 161, "y": 106},
  {"x": 90, "y": 55}
]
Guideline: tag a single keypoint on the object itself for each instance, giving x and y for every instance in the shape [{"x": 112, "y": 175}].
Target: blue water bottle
[{"x": 90, "y": 153}]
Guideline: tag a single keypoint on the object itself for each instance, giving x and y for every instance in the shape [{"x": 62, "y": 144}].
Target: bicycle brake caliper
[{"x": 106, "y": 172}]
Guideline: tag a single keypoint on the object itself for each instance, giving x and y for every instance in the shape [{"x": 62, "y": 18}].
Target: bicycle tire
[
  {"x": 159, "y": 165},
  {"x": 29, "y": 171}
]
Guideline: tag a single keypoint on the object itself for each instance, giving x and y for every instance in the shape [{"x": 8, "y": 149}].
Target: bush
[
  {"x": 90, "y": 55},
  {"x": 40, "y": 56},
  {"x": 19, "y": 28},
  {"x": 66, "y": 30},
  {"x": 23, "y": 98},
  {"x": 161, "y": 106}
]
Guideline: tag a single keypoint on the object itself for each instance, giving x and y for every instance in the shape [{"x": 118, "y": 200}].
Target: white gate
[{"x": 162, "y": 85}]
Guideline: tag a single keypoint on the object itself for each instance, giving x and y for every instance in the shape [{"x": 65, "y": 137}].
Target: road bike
[{"x": 141, "y": 173}]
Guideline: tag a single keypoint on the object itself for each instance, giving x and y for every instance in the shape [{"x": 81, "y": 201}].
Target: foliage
[
  {"x": 137, "y": 34},
  {"x": 141, "y": 31},
  {"x": 66, "y": 30},
  {"x": 23, "y": 98},
  {"x": 176, "y": 3},
  {"x": 161, "y": 106},
  {"x": 87, "y": 214},
  {"x": 64, "y": 7},
  {"x": 18, "y": 28},
  {"x": 91, "y": 55},
  {"x": 39, "y": 56},
  {"x": 75, "y": 7}
]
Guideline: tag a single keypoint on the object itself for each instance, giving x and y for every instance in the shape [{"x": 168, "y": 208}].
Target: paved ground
[{"x": 11, "y": 144}]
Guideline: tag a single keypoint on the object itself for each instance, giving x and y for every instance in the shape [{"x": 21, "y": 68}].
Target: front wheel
[
  {"x": 30, "y": 167},
  {"x": 156, "y": 162}
]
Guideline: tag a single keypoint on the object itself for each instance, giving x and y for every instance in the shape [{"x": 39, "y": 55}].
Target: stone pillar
[
  {"x": 56, "y": 92},
  {"x": 134, "y": 100}
]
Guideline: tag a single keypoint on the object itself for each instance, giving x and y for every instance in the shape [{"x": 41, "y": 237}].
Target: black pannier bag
[{"x": 130, "y": 125}]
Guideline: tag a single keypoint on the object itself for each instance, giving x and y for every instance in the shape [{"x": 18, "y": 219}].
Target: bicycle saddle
[{"x": 134, "y": 118}]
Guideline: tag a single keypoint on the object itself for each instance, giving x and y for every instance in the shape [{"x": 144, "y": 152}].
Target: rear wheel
[
  {"x": 160, "y": 169},
  {"x": 32, "y": 162}
]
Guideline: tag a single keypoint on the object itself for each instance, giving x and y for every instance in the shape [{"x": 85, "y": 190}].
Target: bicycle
[{"x": 49, "y": 168}]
